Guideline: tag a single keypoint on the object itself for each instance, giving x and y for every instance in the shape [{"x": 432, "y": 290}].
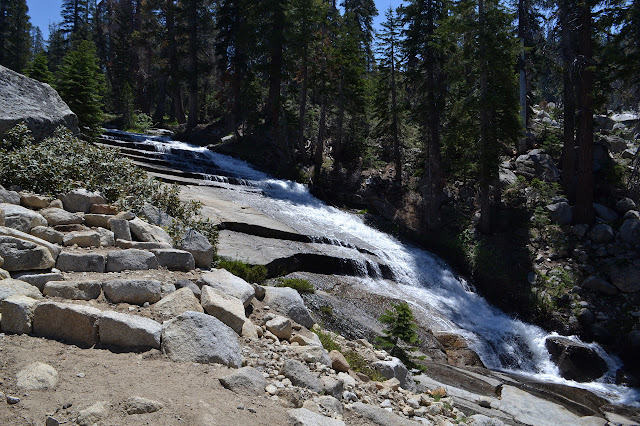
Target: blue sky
[{"x": 45, "y": 12}]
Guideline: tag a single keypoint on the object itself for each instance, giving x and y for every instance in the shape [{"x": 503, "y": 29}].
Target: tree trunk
[
  {"x": 569, "y": 101},
  {"x": 192, "y": 67},
  {"x": 394, "y": 119},
  {"x": 303, "y": 107},
  {"x": 485, "y": 139},
  {"x": 584, "y": 212},
  {"x": 317, "y": 156},
  {"x": 275, "y": 71},
  {"x": 337, "y": 144},
  {"x": 522, "y": 143},
  {"x": 158, "y": 116}
]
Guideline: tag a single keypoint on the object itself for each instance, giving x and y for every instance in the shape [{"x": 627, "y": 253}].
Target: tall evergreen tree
[
  {"x": 81, "y": 85},
  {"x": 15, "y": 34},
  {"x": 425, "y": 63},
  {"x": 387, "y": 105},
  {"x": 76, "y": 19},
  {"x": 39, "y": 69}
]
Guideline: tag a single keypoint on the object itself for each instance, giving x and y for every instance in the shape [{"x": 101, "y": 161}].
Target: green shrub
[
  {"x": 327, "y": 341},
  {"x": 249, "y": 273},
  {"x": 63, "y": 162},
  {"x": 300, "y": 285},
  {"x": 141, "y": 122},
  {"x": 360, "y": 364},
  {"x": 16, "y": 137}
]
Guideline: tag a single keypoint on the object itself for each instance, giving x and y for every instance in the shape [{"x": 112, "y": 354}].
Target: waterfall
[{"x": 422, "y": 279}]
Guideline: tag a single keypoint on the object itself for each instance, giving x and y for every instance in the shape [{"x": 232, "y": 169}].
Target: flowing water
[{"x": 423, "y": 280}]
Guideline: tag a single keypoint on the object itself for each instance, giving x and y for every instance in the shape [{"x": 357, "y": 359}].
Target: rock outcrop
[{"x": 35, "y": 103}]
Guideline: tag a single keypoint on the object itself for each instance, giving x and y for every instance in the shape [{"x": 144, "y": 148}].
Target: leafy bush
[
  {"x": 300, "y": 285},
  {"x": 327, "y": 341},
  {"x": 63, "y": 162},
  {"x": 360, "y": 364},
  {"x": 16, "y": 137},
  {"x": 141, "y": 122},
  {"x": 249, "y": 273}
]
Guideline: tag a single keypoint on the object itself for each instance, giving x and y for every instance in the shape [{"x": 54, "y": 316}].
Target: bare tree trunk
[
  {"x": 275, "y": 71},
  {"x": 176, "y": 93},
  {"x": 158, "y": 115},
  {"x": 584, "y": 212},
  {"x": 394, "y": 119},
  {"x": 317, "y": 156},
  {"x": 485, "y": 140},
  {"x": 569, "y": 101},
  {"x": 522, "y": 143},
  {"x": 303, "y": 107},
  {"x": 192, "y": 67}
]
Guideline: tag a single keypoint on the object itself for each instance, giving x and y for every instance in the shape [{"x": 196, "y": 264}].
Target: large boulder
[
  {"x": 1, "y": 217},
  {"x": 624, "y": 205},
  {"x": 227, "y": 309},
  {"x": 300, "y": 375},
  {"x": 38, "y": 279},
  {"x": 396, "y": 369},
  {"x": 198, "y": 245},
  {"x": 156, "y": 216},
  {"x": 175, "y": 260},
  {"x": 144, "y": 231},
  {"x": 53, "y": 249},
  {"x": 129, "y": 331},
  {"x": 560, "y": 213},
  {"x": 630, "y": 232},
  {"x": 227, "y": 283},
  {"x": 21, "y": 255},
  {"x": 35, "y": 103},
  {"x": 288, "y": 302},
  {"x": 10, "y": 287},
  {"x": 537, "y": 164},
  {"x": 245, "y": 381},
  {"x": 81, "y": 262},
  {"x": 21, "y": 218},
  {"x": 9, "y": 197},
  {"x": 374, "y": 415},
  {"x": 198, "y": 337},
  {"x": 605, "y": 213},
  {"x": 131, "y": 259},
  {"x": 602, "y": 233},
  {"x": 173, "y": 304},
  {"x": 575, "y": 360},
  {"x": 17, "y": 314},
  {"x": 48, "y": 234},
  {"x": 82, "y": 239},
  {"x": 305, "y": 417},
  {"x": 132, "y": 291},
  {"x": 81, "y": 200},
  {"x": 74, "y": 289},
  {"x": 37, "y": 376},
  {"x": 62, "y": 321},
  {"x": 34, "y": 201},
  {"x": 625, "y": 277},
  {"x": 596, "y": 283},
  {"x": 55, "y": 216},
  {"x": 120, "y": 229}
]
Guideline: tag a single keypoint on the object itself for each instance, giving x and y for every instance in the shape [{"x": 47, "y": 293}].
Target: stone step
[{"x": 129, "y": 259}]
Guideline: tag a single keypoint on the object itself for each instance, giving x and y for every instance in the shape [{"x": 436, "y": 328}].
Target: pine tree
[
  {"x": 425, "y": 63},
  {"x": 77, "y": 19},
  {"x": 400, "y": 333},
  {"x": 39, "y": 69},
  {"x": 387, "y": 104},
  {"x": 38, "y": 44},
  {"x": 15, "y": 34},
  {"x": 81, "y": 85}
]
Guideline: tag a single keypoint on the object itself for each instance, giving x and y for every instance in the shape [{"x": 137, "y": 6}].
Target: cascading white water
[{"x": 420, "y": 278}]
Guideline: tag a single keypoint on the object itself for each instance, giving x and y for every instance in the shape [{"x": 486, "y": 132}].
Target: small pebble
[
  {"x": 252, "y": 410},
  {"x": 146, "y": 304},
  {"x": 240, "y": 407},
  {"x": 67, "y": 405},
  {"x": 52, "y": 422},
  {"x": 81, "y": 375},
  {"x": 12, "y": 399}
]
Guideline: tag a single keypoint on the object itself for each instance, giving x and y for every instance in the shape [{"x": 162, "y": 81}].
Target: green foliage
[
  {"x": 81, "y": 85},
  {"x": 249, "y": 273},
  {"x": 141, "y": 122},
  {"x": 38, "y": 69},
  {"x": 400, "y": 328},
  {"x": 488, "y": 262},
  {"x": 551, "y": 142},
  {"x": 302, "y": 286},
  {"x": 16, "y": 137},
  {"x": 63, "y": 162},
  {"x": 327, "y": 341},
  {"x": 15, "y": 37},
  {"x": 360, "y": 364}
]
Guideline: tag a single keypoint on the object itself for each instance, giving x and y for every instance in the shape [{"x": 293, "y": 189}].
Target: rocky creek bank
[{"x": 105, "y": 321}]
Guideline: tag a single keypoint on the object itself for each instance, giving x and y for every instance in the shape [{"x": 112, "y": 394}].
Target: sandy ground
[{"x": 190, "y": 393}]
